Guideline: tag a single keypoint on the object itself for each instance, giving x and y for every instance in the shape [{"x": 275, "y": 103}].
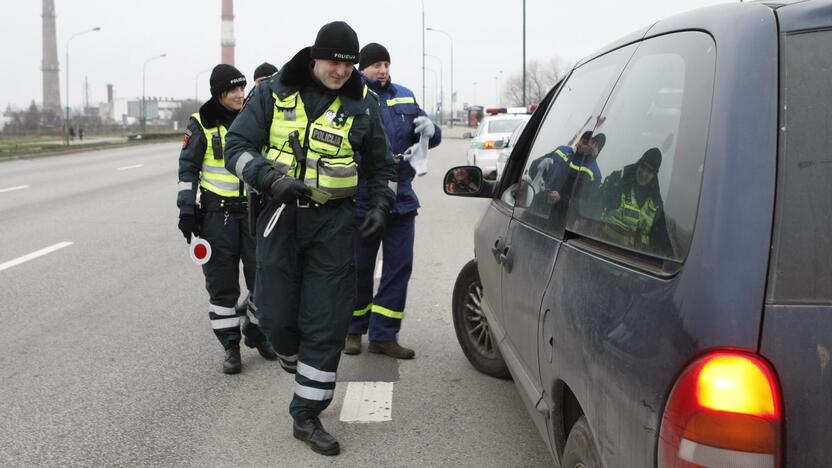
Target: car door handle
[
  {"x": 504, "y": 259},
  {"x": 497, "y": 248}
]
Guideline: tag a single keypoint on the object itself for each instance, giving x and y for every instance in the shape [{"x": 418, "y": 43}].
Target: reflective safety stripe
[
  {"x": 578, "y": 168},
  {"x": 401, "y": 100},
  {"x": 293, "y": 358},
  {"x": 220, "y": 310},
  {"x": 217, "y": 170},
  {"x": 394, "y": 186},
  {"x": 252, "y": 318},
  {"x": 183, "y": 186},
  {"x": 223, "y": 185},
  {"x": 562, "y": 155},
  {"x": 377, "y": 309},
  {"x": 242, "y": 161},
  {"x": 315, "y": 374},
  {"x": 220, "y": 324},
  {"x": 361, "y": 312},
  {"x": 312, "y": 393}
]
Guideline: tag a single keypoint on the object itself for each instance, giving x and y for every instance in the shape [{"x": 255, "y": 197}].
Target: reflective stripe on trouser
[
  {"x": 304, "y": 293},
  {"x": 382, "y": 314},
  {"x": 230, "y": 244}
]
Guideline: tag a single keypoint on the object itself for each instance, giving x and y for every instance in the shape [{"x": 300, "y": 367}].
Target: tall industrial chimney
[
  {"x": 227, "y": 40},
  {"x": 49, "y": 65}
]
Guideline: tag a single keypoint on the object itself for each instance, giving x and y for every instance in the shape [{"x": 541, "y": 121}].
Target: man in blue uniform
[
  {"x": 220, "y": 216},
  {"x": 297, "y": 142},
  {"x": 404, "y": 123}
]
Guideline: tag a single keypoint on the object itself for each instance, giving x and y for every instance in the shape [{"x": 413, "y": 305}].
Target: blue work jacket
[{"x": 398, "y": 108}]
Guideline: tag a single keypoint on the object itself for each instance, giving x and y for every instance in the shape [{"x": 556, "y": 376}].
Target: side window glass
[
  {"x": 563, "y": 150},
  {"x": 655, "y": 127}
]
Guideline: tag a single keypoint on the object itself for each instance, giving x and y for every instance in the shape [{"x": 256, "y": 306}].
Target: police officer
[
  {"x": 220, "y": 216},
  {"x": 263, "y": 71},
  {"x": 404, "y": 123},
  {"x": 634, "y": 212},
  {"x": 297, "y": 142}
]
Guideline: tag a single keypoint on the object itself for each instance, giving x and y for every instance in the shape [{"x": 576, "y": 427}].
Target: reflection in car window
[
  {"x": 656, "y": 124},
  {"x": 565, "y": 149},
  {"x": 503, "y": 125},
  {"x": 801, "y": 270}
]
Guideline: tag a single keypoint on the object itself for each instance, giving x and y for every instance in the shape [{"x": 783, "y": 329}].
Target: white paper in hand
[{"x": 418, "y": 156}]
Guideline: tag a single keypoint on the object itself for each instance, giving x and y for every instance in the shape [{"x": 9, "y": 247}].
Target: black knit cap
[
  {"x": 336, "y": 41},
  {"x": 372, "y": 53},
  {"x": 263, "y": 70},
  {"x": 651, "y": 159},
  {"x": 225, "y": 77}
]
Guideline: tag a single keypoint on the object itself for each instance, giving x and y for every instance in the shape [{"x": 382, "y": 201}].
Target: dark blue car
[{"x": 655, "y": 268}]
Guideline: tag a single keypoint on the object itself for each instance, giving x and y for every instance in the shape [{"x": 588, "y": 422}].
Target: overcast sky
[{"x": 487, "y": 39}]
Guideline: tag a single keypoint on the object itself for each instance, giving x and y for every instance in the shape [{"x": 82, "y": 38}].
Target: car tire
[
  {"x": 581, "y": 450},
  {"x": 471, "y": 326}
]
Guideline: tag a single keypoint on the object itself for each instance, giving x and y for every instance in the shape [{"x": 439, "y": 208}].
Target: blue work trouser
[
  {"x": 231, "y": 244},
  {"x": 304, "y": 295},
  {"x": 382, "y": 314}
]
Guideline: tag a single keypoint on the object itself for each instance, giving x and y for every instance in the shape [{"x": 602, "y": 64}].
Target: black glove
[
  {"x": 373, "y": 226},
  {"x": 285, "y": 189},
  {"x": 189, "y": 226}
]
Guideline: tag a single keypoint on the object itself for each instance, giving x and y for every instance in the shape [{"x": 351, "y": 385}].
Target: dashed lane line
[
  {"x": 366, "y": 402},
  {"x": 134, "y": 166},
  {"x": 34, "y": 255},
  {"x": 11, "y": 189}
]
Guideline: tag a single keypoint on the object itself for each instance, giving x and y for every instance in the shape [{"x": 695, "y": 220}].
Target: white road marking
[
  {"x": 134, "y": 166},
  {"x": 368, "y": 402},
  {"x": 33, "y": 255},
  {"x": 11, "y": 189}
]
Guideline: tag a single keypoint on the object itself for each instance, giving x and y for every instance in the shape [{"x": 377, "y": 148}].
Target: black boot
[
  {"x": 316, "y": 437},
  {"x": 263, "y": 347},
  {"x": 232, "y": 363}
]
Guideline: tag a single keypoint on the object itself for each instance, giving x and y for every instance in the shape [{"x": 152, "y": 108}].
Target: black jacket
[
  {"x": 250, "y": 131},
  {"x": 193, "y": 152}
]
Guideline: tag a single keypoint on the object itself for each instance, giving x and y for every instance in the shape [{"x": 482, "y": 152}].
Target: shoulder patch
[{"x": 186, "y": 138}]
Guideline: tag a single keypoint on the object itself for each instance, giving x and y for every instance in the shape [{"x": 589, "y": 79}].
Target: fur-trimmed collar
[
  {"x": 212, "y": 113},
  {"x": 297, "y": 72}
]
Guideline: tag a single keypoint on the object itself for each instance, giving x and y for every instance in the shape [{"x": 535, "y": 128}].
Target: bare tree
[{"x": 540, "y": 77}]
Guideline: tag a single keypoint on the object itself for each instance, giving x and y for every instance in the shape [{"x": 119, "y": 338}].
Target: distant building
[{"x": 160, "y": 111}]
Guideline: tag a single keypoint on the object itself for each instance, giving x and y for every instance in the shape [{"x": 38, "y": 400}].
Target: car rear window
[
  {"x": 503, "y": 125},
  {"x": 801, "y": 264}
]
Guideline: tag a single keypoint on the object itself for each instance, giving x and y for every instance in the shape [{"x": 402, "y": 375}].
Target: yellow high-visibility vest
[{"x": 214, "y": 177}]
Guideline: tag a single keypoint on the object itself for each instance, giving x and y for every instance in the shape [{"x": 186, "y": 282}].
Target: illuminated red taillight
[
  {"x": 489, "y": 144},
  {"x": 724, "y": 410}
]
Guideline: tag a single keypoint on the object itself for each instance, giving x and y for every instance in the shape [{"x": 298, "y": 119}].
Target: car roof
[
  {"x": 793, "y": 15},
  {"x": 506, "y": 117}
]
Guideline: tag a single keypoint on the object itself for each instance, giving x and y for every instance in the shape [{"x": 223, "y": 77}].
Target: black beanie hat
[
  {"x": 265, "y": 69},
  {"x": 652, "y": 159},
  {"x": 372, "y": 53},
  {"x": 225, "y": 77},
  {"x": 336, "y": 41}
]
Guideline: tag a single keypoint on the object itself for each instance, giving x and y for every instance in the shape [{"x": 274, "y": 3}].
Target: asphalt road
[{"x": 107, "y": 357}]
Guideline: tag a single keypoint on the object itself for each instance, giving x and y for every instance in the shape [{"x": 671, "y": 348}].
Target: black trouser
[
  {"x": 305, "y": 291},
  {"x": 231, "y": 242}
]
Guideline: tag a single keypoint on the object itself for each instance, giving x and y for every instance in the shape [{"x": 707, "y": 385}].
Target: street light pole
[
  {"x": 424, "y": 98},
  {"x": 196, "y": 83},
  {"x": 524, "y": 53},
  {"x": 441, "y": 86},
  {"x": 453, "y": 97},
  {"x": 435, "y": 88},
  {"x": 143, "y": 112},
  {"x": 66, "y": 122}
]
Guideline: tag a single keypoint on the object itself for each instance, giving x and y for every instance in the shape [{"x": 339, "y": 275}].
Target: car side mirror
[
  {"x": 463, "y": 181},
  {"x": 467, "y": 135}
]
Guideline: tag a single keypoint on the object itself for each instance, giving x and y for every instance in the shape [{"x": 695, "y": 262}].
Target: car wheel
[
  {"x": 580, "y": 450},
  {"x": 471, "y": 326}
]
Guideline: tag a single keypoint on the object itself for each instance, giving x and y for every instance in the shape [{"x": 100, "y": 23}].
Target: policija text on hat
[{"x": 305, "y": 284}]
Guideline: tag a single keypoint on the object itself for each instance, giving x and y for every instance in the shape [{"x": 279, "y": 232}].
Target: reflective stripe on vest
[
  {"x": 401, "y": 100},
  {"x": 213, "y": 176},
  {"x": 330, "y": 158},
  {"x": 573, "y": 166},
  {"x": 631, "y": 221}
]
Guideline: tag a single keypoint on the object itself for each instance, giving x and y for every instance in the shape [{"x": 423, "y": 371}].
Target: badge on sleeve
[{"x": 186, "y": 139}]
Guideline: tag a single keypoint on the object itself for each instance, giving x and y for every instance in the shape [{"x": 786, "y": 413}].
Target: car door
[
  {"x": 535, "y": 232},
  {"x": 611, "y": 325}
]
